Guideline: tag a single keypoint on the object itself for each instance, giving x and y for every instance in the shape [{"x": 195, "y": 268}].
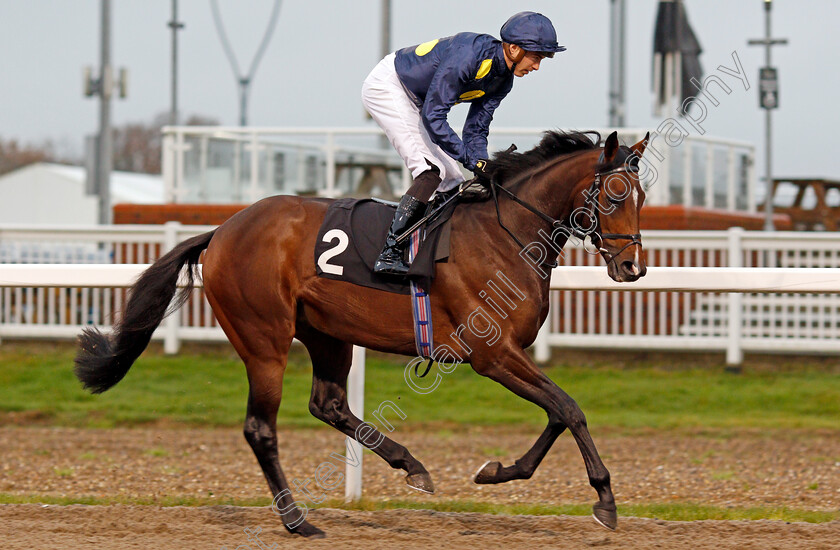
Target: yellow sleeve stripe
[
  {"x": 483, "y": 69},
  {"x": 472, "y": 94}
]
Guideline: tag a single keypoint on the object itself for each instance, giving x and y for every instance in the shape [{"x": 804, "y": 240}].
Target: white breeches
[{"x": 388, "y": 103}]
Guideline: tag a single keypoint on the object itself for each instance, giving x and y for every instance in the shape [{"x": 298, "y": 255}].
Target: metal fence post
[
  {"x": 356, "y": 401},
  {"x": 734, "y": 353},
  {"x": 171, "y": 343}
]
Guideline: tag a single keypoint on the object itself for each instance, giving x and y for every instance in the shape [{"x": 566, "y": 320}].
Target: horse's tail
[{"x": 103, "y": 360}]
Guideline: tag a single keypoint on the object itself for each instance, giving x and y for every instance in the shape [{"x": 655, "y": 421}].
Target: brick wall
[
  {"x": 187, "y": 214},
  {"x": 697, "y": 219}
]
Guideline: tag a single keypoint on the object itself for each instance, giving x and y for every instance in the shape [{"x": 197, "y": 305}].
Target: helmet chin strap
[{"x": 514, "y": 58}]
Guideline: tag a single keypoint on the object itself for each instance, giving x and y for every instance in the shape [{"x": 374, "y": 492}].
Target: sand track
[
  {"x": 796, "y": 470},
  {"x": 127, "y": 527}
]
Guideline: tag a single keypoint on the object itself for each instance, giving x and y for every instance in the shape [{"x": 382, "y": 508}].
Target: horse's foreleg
[
  {"x": 331, "y": 360},
  {"x": 514, "y": 370}
]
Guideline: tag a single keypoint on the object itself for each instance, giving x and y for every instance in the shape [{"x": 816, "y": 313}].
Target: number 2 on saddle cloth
[{"x": 350, "y": 239}]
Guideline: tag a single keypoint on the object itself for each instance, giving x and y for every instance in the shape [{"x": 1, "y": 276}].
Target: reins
[{"x": 635, "y": 238}]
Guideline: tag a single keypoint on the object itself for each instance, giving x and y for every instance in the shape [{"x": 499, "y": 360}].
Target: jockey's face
[{"x": 530, "y": 61}]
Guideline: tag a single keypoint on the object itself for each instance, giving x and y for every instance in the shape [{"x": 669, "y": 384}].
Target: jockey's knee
[{"x": 425, "y": 184}]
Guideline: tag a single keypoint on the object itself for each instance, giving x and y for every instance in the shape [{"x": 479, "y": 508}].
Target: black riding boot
[{"x": 391, "y": 261}]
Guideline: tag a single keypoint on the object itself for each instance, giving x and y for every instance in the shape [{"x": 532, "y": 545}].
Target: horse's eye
[{"x": 615, "y": 201}]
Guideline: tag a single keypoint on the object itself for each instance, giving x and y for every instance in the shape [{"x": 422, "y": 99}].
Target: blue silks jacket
[{"x": 467, "y": 67}]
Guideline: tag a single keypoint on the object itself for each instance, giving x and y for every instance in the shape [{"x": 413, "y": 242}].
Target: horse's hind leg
[
  {"x": 331, "y": 361},
  {"x": 265, "y": 361},
  {"x": 266, "y": 385},
  {"x": 512, "y": 368}
]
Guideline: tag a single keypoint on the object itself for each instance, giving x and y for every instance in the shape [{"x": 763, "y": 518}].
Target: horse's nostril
[{"x": 631, "y": 267}]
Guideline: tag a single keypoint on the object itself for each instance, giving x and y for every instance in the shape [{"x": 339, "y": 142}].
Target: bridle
[
  {"x": 591, "y": 212},
  {"x": 594, "y": 189}
]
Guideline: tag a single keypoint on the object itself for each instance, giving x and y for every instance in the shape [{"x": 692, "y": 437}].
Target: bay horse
[{"x": 260, "y": 279}]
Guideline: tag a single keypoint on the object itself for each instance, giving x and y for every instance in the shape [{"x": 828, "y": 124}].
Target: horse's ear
[
  {"x": 640, "y": 147},
  {"x": 611, "y": 147}
]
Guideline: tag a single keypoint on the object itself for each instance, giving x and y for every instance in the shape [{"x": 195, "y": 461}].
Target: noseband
[{"x": 592, "y": 212}]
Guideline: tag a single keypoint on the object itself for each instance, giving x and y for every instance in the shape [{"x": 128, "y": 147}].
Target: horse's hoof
[
  {"x": 605, "y": 516},
  {"x": 309, "y": 531},
  {"x": 488, "y": 473},
  {"x": 421, "y": 482}
]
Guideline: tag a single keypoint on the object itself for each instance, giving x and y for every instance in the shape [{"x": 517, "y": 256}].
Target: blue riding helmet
[{"x": 533, "y": 32}]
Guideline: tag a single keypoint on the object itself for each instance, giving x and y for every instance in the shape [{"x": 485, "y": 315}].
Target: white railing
[
  {"x": 666, "y": 319},
  {"x": 34, "y": 311},
  {"x": 705, "y": 320},
  {"x": 235, "y": 164},
  {"x": 735, "y": 281}
]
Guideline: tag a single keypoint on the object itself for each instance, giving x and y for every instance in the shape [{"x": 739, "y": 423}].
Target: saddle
[{"x": 352, "y": 236}]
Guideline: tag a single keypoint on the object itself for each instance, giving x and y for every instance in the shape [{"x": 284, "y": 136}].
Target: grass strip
[
  {"x": 667, "y": 512},
  {"x": 209, "y": 388}
]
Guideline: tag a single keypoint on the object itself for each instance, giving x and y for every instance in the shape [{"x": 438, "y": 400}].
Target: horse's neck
[{"x": 553, "y": 191}]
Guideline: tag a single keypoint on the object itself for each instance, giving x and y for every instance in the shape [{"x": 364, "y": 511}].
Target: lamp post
[
  {"x": 175, "y": 25},
  {"x": 104, "y": 87},
  {"x": 768, "y": 100},
  {"x": 617, "y": 23}
]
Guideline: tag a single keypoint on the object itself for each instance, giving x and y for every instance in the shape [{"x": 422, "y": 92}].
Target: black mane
[{"x": 552, "y": 145}]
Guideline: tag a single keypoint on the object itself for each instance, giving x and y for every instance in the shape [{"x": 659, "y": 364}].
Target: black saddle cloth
[{"x": 353, "y": 234}]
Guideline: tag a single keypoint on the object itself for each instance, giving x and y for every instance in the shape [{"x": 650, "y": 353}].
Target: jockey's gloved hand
[{"x": 483, "y": 171}]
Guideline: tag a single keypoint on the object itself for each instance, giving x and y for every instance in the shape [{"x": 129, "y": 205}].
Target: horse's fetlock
[
  {"x": 600, "y": 480},
  {"x": 523, "y": 469}
]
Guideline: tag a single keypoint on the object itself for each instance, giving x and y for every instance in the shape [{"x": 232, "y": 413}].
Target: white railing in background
[
  {"x": 662, "y": 320},
  {"x": 59, "y": 312},
  {"x": 753, "y": 321},
  {"x": 235, "y": 164}
]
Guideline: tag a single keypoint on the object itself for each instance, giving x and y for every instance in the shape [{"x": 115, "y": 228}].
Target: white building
[{"x": 54, "y": 194}]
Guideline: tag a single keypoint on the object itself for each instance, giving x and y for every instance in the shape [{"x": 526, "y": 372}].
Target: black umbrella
[{"x": 676, "y": 55}]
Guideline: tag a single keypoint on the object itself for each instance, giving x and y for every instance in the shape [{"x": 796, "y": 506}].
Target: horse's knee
[
  {"x": 576, "y": 420},
  {"x": 259, "y": 433},
  {"x": 570, "y": 414},
  {"x": 555, "y": 421}
]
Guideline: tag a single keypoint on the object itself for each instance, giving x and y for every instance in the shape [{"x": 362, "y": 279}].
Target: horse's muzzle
[{"x": 627, "y": 271}]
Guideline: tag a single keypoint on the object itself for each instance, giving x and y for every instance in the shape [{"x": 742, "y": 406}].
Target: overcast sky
[{"x": 322, "y": 50}]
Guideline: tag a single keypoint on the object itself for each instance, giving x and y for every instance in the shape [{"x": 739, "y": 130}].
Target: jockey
[{"x": 410, "y": 92}]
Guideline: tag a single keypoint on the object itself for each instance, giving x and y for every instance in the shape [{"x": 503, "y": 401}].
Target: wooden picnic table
[{"x": 821, "y": 216}]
